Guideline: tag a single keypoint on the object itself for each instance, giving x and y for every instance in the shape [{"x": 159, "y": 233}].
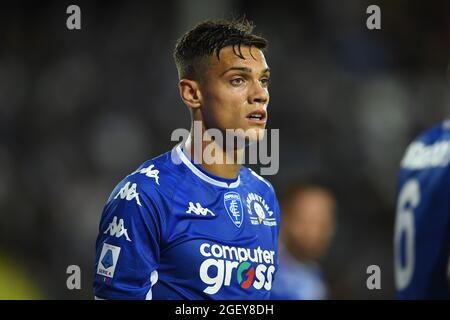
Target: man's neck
[{"x": 222, "y": 168}]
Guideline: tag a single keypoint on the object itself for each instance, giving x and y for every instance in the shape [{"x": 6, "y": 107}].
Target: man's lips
[{"x": 258, "y": 116}]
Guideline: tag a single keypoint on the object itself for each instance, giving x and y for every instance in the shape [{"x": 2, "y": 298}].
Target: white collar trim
[{"x": 203, "y": 176}]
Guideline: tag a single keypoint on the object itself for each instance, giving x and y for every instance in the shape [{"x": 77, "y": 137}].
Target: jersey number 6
[{"x": 408, "y": 200}]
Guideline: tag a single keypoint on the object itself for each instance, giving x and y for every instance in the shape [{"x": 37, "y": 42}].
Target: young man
[
  {"x": 183, "y": 229},
  {"x": 422, "y": 226}
]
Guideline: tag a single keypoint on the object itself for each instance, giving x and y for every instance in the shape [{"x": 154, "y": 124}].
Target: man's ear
[{"x": 190, "y": 93}]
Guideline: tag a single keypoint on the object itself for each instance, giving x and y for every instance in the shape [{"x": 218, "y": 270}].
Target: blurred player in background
[
  {"x": 183, "y": 229},
  {"x": 422, "y": 226},
  {"x": 306, "y": 230}
]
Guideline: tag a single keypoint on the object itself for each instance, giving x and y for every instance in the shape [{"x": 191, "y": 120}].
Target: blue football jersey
[
  {"x": 171, "y": 230},
  {"x": 422, "y": 227}
]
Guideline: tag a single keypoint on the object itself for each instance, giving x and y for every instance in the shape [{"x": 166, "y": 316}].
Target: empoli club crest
[{"x": 233, "y": 204}]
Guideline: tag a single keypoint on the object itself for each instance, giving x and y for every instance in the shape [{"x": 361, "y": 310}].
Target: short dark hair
[{"x": 209, "y": 37}]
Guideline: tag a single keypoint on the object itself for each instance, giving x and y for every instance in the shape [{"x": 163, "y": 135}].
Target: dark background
[{"x": 79, "y": 110}]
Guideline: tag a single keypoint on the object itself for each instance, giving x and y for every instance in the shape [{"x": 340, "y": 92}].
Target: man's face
[{"x": 235, "y": 92}]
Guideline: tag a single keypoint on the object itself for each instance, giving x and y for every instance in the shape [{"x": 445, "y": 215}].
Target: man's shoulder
[
  {"x": 156, "y": 177},
  {"x": 251, "y": 177},
  {"x": 438, "y": 132},
  {"x": 431, "y": 149}
]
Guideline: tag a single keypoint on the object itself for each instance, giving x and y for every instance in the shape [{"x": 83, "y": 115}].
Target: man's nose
[{"x": 259, "y": 94}]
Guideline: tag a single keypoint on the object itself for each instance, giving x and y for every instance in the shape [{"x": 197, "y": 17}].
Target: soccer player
[
  {"x": 422, "y": 226},
  {"x": 182, "y": 229}
]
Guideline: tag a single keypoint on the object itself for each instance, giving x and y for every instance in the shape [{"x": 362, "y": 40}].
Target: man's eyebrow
[
  {"x": 244, "y": 69},
  {"x": 266, "y": 70}
]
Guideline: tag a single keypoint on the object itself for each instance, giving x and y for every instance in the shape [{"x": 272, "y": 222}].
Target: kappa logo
[
  {"x": 199, "y": 210},
  {"x": 150, "y": 172},
  {"x": 233, "y": 204},
  {"x": 117, "y": 229},
  {"x": 256, "y": 204},
  {"x": 129, "y": 193}
]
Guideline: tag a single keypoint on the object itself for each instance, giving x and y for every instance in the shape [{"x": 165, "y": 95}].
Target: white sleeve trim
[{"x": 153, "y": 280}]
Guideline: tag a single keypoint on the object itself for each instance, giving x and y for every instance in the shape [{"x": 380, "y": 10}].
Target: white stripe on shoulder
[{"x": 260, "y": 178}]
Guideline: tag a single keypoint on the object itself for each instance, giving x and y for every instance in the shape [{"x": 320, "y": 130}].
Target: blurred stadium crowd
[{"x": 79, "y": 110}]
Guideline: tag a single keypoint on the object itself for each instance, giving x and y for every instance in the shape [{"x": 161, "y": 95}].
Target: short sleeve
[{"x": 127, "y": 246}]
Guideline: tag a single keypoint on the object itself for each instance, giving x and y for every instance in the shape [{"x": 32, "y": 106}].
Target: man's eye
[
  {"x": 237, "y": 81},
  {"x": 265, "y": 82}
]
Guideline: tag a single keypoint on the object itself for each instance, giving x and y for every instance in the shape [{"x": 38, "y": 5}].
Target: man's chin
[
  {"x": 251, "y": 136},
  {"x": 258, "y": 134}
]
